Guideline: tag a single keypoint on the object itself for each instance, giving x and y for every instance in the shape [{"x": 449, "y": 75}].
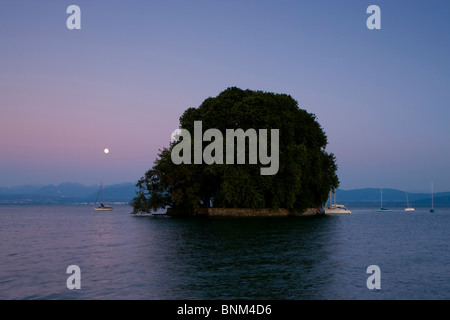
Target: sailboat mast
[
  {"x": 432, "y": 202},
  {"x": 101, "y": 192},
  {"x": 381, "y": 190}
]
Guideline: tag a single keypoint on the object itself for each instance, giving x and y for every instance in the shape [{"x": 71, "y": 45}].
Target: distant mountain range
[
  {"x": 66, "y": 193},
  {"x": 69, "y": 193},
  {"x": 391, "y": 197}
]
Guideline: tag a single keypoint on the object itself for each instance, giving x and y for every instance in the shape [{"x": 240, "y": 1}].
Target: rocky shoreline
[{"x": 243, "y": 212}]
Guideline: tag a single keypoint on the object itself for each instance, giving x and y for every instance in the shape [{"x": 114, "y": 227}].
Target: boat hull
[
  {"x": 105, "y": 208},
  {"x": 337, "y": 211}
]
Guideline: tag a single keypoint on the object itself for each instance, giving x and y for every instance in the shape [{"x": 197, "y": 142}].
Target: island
[{"x": 201, "y": 173}]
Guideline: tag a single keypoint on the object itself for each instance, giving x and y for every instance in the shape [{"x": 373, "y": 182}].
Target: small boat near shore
[
  {"x": 102, "y": 207},
  {"x": 336, "y": 208}
]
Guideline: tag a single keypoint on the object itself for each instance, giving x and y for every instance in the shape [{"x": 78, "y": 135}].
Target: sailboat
[
  {"x": 102, "y": 207},
  {"x": 381, "y": 207},
  {"x": 432, "y": 202},
  {"x": 336, "y": 208},
  {"x": 408, "y": 208}
]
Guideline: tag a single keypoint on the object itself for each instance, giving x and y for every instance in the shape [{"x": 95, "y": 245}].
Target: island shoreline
[{"x": 243, "y": 212}]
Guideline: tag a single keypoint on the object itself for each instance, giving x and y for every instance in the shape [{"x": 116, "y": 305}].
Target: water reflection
[
  {"x": 133, "y": 257},
  {"x": 257, "y": 258}
]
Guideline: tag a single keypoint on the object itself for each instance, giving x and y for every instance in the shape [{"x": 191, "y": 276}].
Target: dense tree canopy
[{"x": 306, "y": 171}]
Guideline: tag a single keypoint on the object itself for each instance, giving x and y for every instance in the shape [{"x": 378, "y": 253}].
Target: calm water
[{"x": 131, "y": 257}]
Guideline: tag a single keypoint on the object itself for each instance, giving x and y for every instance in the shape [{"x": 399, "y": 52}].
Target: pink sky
[{"x": 125, "y": 78}]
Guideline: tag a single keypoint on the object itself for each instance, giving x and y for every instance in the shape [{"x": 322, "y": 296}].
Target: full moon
[
  {"x": 106, "y": 150},
  {"x": 175, "y": 135}
]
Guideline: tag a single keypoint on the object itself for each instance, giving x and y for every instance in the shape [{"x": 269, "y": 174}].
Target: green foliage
[{"x": 306, "y": 172}]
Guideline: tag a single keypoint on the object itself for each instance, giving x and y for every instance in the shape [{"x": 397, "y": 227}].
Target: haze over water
[{"x": 142, "y": 257}]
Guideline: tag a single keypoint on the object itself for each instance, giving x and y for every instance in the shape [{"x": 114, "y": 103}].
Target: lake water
[{"x": 122, "y": 256}]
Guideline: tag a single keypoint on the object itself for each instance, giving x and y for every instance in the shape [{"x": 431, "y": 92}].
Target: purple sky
[{"x": 124, "y": 79}]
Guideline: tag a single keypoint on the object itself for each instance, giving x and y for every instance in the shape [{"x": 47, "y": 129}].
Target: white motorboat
[{"x": 336, "y": 208}]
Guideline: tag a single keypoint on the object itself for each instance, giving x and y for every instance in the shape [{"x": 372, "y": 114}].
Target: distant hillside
[
  {"x": 66, "y": 193},
  {"x": 391, "y": 197}
]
